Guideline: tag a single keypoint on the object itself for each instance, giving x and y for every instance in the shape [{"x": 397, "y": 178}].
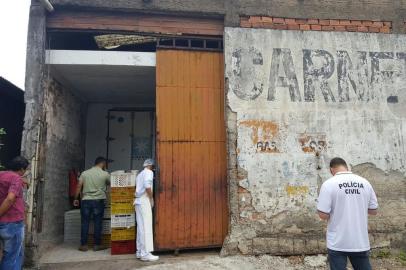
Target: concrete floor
[
  {"x": 69, "y": 253},
  {"x": 67, "y": 257}
]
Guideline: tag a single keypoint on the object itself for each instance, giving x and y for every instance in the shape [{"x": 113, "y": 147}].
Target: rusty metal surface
[
  {"x": 191, "y": 208},
  {"x": 134, "y": 23}
]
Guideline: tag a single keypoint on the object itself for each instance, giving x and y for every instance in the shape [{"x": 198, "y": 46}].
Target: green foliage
[
  {"x": 385, "y": 253},
  {"x": 402, "y": 257},
  {"x": 382, "y": 253}
]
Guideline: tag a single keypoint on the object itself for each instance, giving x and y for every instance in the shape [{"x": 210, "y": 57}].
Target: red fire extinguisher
[{"x": 73, "y": 183}]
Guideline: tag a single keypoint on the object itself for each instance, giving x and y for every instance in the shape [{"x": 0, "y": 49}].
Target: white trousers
[{"x": 145, "y": 240}]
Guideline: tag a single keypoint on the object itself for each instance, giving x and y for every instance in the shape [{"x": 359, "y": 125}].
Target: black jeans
[
  {"x": 359, "y": 260},
  {"x": 88, "y": 209}
]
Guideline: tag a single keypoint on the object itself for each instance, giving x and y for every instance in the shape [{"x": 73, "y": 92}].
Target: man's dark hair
[
  {"x": 99, "y": 160},
  {"x": 18, "y": 163},
  {"x": 336, "y": 162}
]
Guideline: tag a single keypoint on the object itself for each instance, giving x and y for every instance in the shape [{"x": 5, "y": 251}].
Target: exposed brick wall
[{"x": 316, "y": 24}]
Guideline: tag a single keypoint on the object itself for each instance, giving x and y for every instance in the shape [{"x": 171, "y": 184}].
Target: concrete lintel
[{"x": 112, "y": 58}]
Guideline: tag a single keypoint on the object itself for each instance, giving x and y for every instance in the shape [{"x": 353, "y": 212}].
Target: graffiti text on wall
[
  {"x": 358, "y": 73},
  {"x": 264, "y": 135}
]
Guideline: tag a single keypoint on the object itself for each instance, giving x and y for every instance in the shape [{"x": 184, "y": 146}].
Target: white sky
[{"x": 13, "y": 39}]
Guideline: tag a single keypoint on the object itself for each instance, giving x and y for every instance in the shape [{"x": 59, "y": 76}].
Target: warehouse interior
[
  {"x": 119, "y": 95},
  {"x": 98, "y": 102}
]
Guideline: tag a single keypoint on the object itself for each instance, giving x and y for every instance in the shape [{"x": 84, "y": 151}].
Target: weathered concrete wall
[
  {"x": 33, "y": 82},
  {"x": 34, "y": 99},
  {"x": 232, "y": 9},
  {"x": 297, "y": 99},
  {"x": 64, "y": 143}
]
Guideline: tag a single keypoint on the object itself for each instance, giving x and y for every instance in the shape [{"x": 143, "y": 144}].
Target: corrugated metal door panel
[{"x": 192, "y": 200}]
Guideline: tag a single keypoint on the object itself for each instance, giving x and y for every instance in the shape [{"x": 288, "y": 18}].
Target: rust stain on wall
[
  {"x": 296, "y": 190},
  {"x": 264, "y": 135},
  {"x": 312, "y": 143}
]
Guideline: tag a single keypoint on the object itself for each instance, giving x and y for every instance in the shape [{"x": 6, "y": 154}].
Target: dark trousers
[
  {"x": 359, "y": 260},
  {"x": 88, "y": 209}
]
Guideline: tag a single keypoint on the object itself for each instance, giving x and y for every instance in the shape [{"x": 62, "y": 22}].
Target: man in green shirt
[{"x": 93, "y": 184}]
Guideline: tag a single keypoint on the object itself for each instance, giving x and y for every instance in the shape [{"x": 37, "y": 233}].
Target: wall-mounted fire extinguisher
[{"x": 73, "y": 183}]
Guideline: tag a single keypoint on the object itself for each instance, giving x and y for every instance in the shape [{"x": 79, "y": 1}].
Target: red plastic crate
[{"x": 122, "y": 247}]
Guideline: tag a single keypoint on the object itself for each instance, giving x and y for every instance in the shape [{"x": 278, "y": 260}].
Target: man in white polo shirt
[{"x": 345, "y": 200}]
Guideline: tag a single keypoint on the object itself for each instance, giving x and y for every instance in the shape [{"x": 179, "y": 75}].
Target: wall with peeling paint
[{"x": 298, "y": 99}]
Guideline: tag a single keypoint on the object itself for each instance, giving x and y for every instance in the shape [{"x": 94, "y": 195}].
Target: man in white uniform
[
  {"x": 144, "y": 201},
  {"x": 345, "y": 201}
]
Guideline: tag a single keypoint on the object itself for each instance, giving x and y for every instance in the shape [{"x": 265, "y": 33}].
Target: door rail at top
[{"x": 185, "y": 43}]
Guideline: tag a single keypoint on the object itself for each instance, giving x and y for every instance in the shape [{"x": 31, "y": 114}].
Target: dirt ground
[{"x": 212, "y": 261}]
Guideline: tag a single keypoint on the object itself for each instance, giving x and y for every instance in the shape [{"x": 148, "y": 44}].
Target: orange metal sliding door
[{"x": 191, "y": 200}]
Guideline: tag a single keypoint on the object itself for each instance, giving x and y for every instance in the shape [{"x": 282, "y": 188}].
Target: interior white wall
[{"x": 120, "y": 147}]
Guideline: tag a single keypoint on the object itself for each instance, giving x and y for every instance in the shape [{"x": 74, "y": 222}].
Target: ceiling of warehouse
[
  {"x": 105, "y": 76},
  {"x": 108, "y": 84}
]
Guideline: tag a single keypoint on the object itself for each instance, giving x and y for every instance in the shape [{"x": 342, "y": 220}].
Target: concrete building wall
[
  {"x": 233, "y": 9},
  {"x": 64, "y": 150},
  {"x": 297, "y": 99}
]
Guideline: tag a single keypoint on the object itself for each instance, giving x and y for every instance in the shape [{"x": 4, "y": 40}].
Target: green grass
[
  {"x": 382, "y": 253},
  {"x": 402, "y": 257},
  {"x": 386, "y": 253}
]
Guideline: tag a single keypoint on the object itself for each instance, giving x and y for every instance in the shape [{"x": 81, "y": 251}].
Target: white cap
[{"x": 149, "y": 162}]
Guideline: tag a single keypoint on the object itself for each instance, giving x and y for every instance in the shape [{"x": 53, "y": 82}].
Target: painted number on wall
[{"x": 312, "y": 143}]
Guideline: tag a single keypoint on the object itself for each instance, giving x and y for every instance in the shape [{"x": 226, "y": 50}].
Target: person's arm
[
  {"x": 7, "y": 203},
  {"x": 323, "y": 216},
  {"x": 149, "y": 193},
  {"x": 148, "y": 187},
  {"x": 15, "y": 188},
  {"x": 324, "y": 203},
  {"x": 373, "y": 203},
  {"x": 373, "y": 212},
  {"x": 26, "y": 182},
  {"x": 108, "y": 179},
  {"x": 77, "y": 193}
]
